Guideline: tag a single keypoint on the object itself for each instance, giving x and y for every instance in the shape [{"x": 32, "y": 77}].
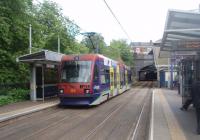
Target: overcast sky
[{"x": 143, "y": 20}]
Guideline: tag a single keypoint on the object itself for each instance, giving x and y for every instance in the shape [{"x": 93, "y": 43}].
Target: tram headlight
[
  {"x": 61, "y": 91},
  {"x": 87, "y": 91}
]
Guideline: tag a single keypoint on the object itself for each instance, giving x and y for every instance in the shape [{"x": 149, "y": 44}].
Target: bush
[
  {"x": 19, "y": 94},
  {"x": 13, "y": 95},
  {"x": 5, "y": 100},
  {"x": 4, "y": 92}
]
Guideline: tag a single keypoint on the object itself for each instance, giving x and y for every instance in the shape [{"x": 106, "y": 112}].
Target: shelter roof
[
  {"x": 44, "y": 56},
  {"x": 182, "y": 31}
]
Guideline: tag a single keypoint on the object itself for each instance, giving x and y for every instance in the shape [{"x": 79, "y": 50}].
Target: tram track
[
  {"x": 109, "y": 113},
  {"x": 134, "y": 130},
  {"x": 103, "y": 122},
  {"x": 57, "y": 124},
  {"x": 92, "y": 132},
  {"x": 49, "y": 112},
  {"x": 56, "y": 121}
]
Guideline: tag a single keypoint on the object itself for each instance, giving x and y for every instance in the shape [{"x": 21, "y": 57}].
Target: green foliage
[
  {"x": 13, "y": 95},
  {"x": 48, "y": 23},
  {"x": 5, "y": 100},
  {"x": 13, "y": 40},
  {"x": 95, "y": 43},
  {"x": 119, "y": 50}
]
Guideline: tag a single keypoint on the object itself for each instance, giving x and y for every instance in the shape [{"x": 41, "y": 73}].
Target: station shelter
[
  {"x": 44, "y": 74},
  {"x": 181, "y": 40}
]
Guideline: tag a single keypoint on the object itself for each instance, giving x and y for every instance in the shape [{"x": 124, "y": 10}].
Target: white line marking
[
  {"x": 152, "y": 118},
  {"x": 138, "y": 121}
]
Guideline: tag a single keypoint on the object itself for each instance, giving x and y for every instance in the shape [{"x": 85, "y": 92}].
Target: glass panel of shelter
[
  {"x": 188, "y": 76},
  {"x": 190, "y": 73},
  {"x": 197, "y": 70}
]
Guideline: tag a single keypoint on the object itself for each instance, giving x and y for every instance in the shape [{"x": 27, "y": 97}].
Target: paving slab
[
  {"x": 168, "y": 122},
  {"x": 11, "y": 111}
]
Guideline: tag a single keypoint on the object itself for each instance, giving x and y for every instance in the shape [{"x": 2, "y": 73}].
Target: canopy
[
  {"x": 41, "y": 57},
  {"x": 182, "y": 31}
]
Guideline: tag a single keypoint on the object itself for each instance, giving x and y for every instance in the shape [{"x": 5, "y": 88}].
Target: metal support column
[
  {"x": 158, "y": 76},
  {"x": 168, "y": 75},
  {"x": 171, "y": 74},
  {"x": 43, "y": 82}
]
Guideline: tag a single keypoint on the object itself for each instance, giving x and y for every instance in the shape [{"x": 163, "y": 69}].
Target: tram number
[{"x": 72, "y": 91}]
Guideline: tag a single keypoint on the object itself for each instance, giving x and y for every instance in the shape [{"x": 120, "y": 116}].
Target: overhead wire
[{"x": 113, "y": 14}]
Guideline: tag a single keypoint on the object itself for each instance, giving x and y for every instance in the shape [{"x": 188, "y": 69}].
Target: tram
[{"x": 91, "y": 79}]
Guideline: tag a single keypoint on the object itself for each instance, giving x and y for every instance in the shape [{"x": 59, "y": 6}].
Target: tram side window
[
  {"x": 105, "y": 77},
  {"x": 122, "y": 77},
  {"x": 115, "y": 78},
  {"x": 96, "y": 73},
  {"x": 112, "y": 78}
]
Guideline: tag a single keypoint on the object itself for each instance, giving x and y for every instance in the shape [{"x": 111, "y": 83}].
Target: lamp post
[
  {"x": 58, "y": 44},
  {"x": 30, "y": 38}
]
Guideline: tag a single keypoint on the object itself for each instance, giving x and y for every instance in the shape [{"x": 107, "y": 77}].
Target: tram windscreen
[{"x": 76, "y": 71}]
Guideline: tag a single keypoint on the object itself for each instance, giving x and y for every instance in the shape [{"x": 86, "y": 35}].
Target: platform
[
  {"x": 14, "y": 110},
  {"x": 168, "y": 122}
]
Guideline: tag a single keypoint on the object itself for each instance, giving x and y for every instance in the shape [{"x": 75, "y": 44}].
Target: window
[
  {"x": 76, "y": 71},
  {"x": 105, "y": 76},
  {"x": 96, "y": 73},
  {"x": 103, "y": 79},
  {"x": 112, "y": 78},
  {"x": 122, "y": 77},
  {"x": 50, "y": 75},
  {"x": 115, "y": 78}
]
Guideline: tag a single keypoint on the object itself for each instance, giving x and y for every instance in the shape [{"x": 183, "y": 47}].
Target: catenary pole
[{"x": 58, "y": 44}]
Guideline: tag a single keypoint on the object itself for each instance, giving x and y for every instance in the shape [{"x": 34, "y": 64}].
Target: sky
[{"x": 143, "y": 20}]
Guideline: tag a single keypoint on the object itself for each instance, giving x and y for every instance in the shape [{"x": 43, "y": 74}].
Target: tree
[
  {"x": 50, "y": 23},
  {"x": 47, "y": 23},
  {"x": 119, "y": 49},
  {"x": 14, "y": 18},
  {"x": 13, "y": 24},
  {"x": 95, "y": 43}
]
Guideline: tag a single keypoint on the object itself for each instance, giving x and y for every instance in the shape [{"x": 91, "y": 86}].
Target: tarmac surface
[{"x": 125, "y": 117}]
